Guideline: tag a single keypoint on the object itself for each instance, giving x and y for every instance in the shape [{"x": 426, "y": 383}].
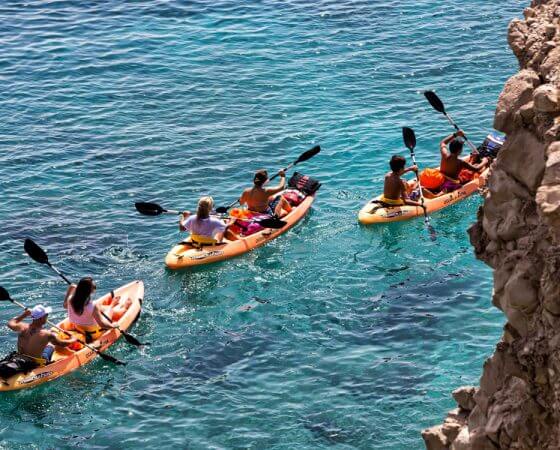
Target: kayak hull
[
  {"x": 184, "y": 256},
  {"x": 65, "y": 361},
  {"x": 371, "y": 213}
]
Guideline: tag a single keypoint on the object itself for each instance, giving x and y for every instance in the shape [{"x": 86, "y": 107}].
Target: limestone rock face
[{"x": 517, "y": 233}]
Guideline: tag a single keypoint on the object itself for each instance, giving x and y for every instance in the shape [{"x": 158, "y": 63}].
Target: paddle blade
[
  {"x": 272, "y": 223},
  {"x": 4, "y": 295},
  {"x": 434, "y": 100},
  {"x": 110, "y": 358},
  {"x": 148, "y": 209},
  {"x": 409, "y": 138},
  {"x": 222, "y": 209},
  {"x": 35, "y": 252},
  {"x": 308, "y": 154},
  {"x": 432, "y": 232},
  {"x": 132, "y": 340}
]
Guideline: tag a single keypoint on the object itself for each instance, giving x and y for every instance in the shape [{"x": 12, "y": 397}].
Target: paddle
[
  {"x": 38, "y": 254},
  {"x": 437, "y": 104},
  {"x": 409, "y": 139},
  {"x": 302, "y": 158},
  {"x": 4, "y": 295},
  {"x": 153, "y": 209}
]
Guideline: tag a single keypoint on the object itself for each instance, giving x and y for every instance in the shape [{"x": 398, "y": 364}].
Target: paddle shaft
[
  {"x": 452, "y": 122},
  {"x": 288, "y": 167},
  {"x": 58, "y": 328},
  {"x": 59, "y": 273},
  {"x": 426, "y": 217}
]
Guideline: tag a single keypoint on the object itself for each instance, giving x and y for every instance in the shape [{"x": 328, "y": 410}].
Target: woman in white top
[
  {"x": 204, "y": 228},
  {"x": 84, "y": 314}
]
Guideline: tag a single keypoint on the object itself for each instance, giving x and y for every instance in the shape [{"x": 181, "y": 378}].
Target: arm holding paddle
[
  {"x": 464, "y": 163},
  {"x": 56, "y": 340},
  {"x": 15, "y": 323},
  {"x": 446, "y": 141},
  {"x": 280, "y": 187},
  {"x": 182, "y": 219},
  {"x": 413, "y": 168},
  {"x": 438, "y": 105}
]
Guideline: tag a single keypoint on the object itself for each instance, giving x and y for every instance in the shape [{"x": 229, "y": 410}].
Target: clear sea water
[{"x": 356, "y": 335}]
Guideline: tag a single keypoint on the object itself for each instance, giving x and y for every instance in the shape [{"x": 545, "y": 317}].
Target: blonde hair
[{"x": 205, "y": 205}]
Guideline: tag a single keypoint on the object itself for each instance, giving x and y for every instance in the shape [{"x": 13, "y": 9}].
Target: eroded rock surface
[{"x": 517, "y": 233}]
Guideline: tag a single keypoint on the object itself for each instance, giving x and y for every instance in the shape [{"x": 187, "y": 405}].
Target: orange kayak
[
  {"x": 127, "y": 303},
  {"x": 184, "y": 255},
  {"x": 373, "y": 212}
]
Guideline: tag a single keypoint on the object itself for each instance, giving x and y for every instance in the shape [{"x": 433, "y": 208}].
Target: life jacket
[{"x": 431, "y": 179}]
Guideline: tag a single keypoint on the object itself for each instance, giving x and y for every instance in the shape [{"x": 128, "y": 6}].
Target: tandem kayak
[
  {"x": 126, "y": 302},
  {"x": 185, "y": 254},
  {"x": 375, "y": 212}
]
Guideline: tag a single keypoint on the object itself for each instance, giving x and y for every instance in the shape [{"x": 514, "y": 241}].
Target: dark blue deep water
[{"x": 356, "y": 336}]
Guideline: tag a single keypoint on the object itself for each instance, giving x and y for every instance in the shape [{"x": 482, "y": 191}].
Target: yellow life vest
[{"x": 199, "y": 239}]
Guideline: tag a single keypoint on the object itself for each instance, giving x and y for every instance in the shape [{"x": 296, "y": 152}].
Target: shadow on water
[{"x": 220, "y": 354}]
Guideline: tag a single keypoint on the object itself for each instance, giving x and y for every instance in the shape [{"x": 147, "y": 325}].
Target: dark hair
[
  {"x": 82, "y": 295},
  {"x": 397, "y": 163},
  {"x": 260, "y": 177},
  {"x": 456, "y": 146}
]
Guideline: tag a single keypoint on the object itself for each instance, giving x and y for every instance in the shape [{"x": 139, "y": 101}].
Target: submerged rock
[{"x": 517, "y": 233}]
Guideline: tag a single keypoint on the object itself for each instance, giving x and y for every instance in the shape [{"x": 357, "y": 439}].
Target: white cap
[{"x": 40, "y": 311}]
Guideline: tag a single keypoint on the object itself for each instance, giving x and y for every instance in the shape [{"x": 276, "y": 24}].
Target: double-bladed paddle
[
  {"x": 39, "y": 255},
  {"x": 438, "y": 105},
  {"x": 302, "y": 158},
  {"x": 153, "y": 209},
  {"x": 4, "y": 295},
  {"x": 409, "y": 139}
]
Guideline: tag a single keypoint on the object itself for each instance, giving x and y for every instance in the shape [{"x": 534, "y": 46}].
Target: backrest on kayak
[{"x": 304, "y": 183}]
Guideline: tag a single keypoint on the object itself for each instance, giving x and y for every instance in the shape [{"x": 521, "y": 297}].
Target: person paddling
[
  {"x": 204, "y": 228},
  {"x": 451, "y": 165},
  {"x": 396, "y": 191},
  {"x": 85, "y": 315},
  {"x": 35, "y": 344},
  {"x": 260, "y": 199}
]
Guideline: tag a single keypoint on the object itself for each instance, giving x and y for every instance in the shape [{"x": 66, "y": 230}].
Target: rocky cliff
[{"x": 517, "y": 233}]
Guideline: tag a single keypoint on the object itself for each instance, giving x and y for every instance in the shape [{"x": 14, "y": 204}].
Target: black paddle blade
[
  {"x": 222, "y": 209},
  {"x": 110, "y": 358},
  {"x": 148, "y": 209},
  {"x": 432, "y": 232},
  {"x": 434, "y": 100},
  {"x": 272, "y": 223},
  {"x": 409, "y": 138},
  {"x": 308, "y": 154},
  {"x": 132, "y": 340},
  {"x": 4, "y": 294},
  {"x": 35, "y": 252}
]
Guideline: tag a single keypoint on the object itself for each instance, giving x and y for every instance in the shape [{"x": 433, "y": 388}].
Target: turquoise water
[{"x": 356, "y": 336}]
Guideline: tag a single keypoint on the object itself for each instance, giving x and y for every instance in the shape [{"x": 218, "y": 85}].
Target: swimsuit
[
  {"x": 393, "y": 202},
  {"x": 450, "y": 184}
]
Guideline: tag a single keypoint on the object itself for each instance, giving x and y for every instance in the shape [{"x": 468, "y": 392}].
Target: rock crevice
[{"x": 517, "y": 233}]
